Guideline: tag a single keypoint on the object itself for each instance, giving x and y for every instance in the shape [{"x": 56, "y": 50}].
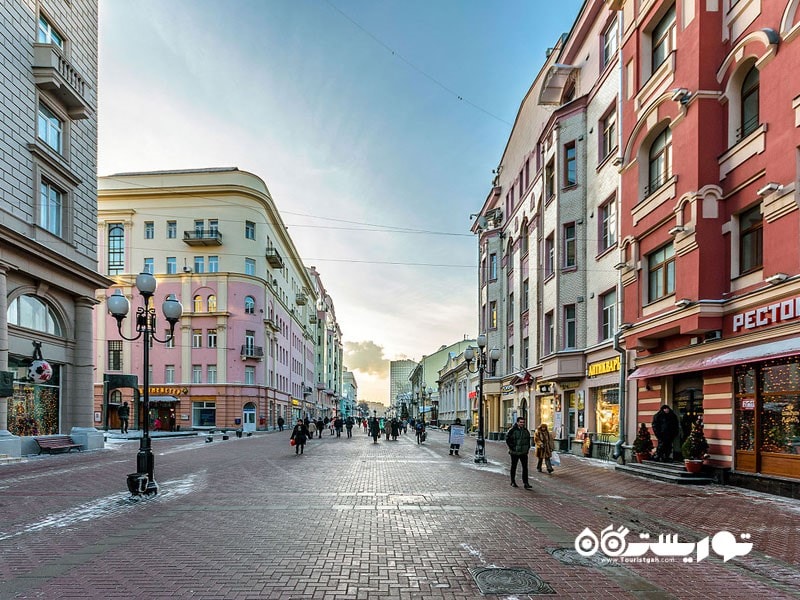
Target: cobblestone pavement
[{"x": 248, "y": 519}]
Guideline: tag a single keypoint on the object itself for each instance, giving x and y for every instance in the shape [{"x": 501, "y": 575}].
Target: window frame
[
  {"x": 47, "y": 33},
  {"x": 115, "y": 251},
  {"x": 608, "y": 224},
  {"x": 44, "y": 207},
  {"x": 172, "y": 230},
  {"x": 570, "y": 245},
  {"x": 608, "y": 315},
  {"x": 608, "y": 52},
  {"x": 250, "y": 266},
  {"x": 570, "y": 156},
  {"x": 48, "y": 121},
  {"x": 114, "y": 355},
  {"x": 549, "y": 256},
  {"x": 249, "y": 230},
  {"x": 172, "y": 265},
  {"x": 659, "y": 161},
  {"x": 211, "y": 338},
  {"x": 609, "y": 137},
  {"x": 662, "y": 39},
  {"x": 749, "y": 123},
  {"x": 197, "y": 338},
  {"x": 549, "y": 333},
  {"x": 570, "y": 341},
  {"x": 249, "y": 305},
  {"x": 149, "y": 230},
  {"x": 754, "y": 248},
  {"x": 662, "y": 272}
]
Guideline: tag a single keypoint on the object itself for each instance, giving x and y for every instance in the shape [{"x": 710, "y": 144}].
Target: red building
[{"x": 709, "y": 249}]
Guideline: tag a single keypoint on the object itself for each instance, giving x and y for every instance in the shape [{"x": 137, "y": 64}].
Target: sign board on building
[
  {"x": 777, "y": 312},
  {"x": 507, "y": 389},
  {"x": 601, "y": 367}
]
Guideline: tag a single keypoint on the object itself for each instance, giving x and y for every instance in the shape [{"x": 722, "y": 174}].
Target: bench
[{"x": 56, "y": 442}]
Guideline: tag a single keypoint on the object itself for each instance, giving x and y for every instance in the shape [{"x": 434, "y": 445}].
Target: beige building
[{"x": 48, "y": 243}]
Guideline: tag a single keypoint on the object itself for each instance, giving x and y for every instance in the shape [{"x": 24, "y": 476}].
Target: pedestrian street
[{"x": 247, "y": 518}]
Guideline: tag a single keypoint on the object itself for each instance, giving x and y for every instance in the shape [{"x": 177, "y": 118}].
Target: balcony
[
  {"x": 252, "y": 352},
  {"x": 53, "y": 73},
  {"x": 301, "y": 299},
  {"x": 274, "y": 259},
  {"x": 272, "y": 324},
  {"x": 202, "y": 237}
]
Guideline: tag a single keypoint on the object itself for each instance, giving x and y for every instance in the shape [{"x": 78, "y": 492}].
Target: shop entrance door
[
  {"x": 688, "y": 404},
  {"x": 249, "y": 417}
]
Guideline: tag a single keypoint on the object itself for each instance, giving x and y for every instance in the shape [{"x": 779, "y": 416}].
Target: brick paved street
[{"x": 248, "y": 519}]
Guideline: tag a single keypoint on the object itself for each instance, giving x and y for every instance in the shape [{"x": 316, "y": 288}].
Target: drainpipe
[{"x": 623, "y": 356}]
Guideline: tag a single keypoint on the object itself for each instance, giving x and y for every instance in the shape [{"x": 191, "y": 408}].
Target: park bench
[{"x": 56, "y": 442}]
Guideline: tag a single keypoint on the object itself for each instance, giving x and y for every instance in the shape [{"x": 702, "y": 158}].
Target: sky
[{"x": 374, "y": 123}]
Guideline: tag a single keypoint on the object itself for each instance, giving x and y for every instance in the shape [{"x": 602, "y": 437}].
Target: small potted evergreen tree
[
  {"x": 695, "y": 448},
  {"x": 643, "y": 444}
]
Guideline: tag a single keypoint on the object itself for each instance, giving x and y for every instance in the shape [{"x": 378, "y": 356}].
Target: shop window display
[
  {"x": 547, "y": 410},
  {"x": 745, "y": 408},
  {"x": 780, "y": 413},
  {"x": 607, "y": 403},
  {"x": 33, "y": 409}
]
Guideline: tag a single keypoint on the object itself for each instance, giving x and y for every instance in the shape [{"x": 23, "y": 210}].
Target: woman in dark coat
[
  {"x": 374, "y": 429},
  {"x": 299, "y": 435}
]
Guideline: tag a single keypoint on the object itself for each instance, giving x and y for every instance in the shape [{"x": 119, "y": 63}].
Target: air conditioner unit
[
  {"x": 713, "y": 335},
  {"x": 187, "y": 269}
]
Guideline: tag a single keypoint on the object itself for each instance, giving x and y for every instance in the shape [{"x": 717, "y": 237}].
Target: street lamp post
[
  {"x": 480, "y": 367},
  {"x": 424, "y": 392},
  {"x": 143, "y": 481}
]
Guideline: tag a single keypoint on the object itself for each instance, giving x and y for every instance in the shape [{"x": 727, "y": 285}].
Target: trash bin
[{"x": 238, "y": 433}]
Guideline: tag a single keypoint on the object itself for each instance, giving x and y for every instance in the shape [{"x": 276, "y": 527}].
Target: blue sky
[{"x": 375, "y": 125}]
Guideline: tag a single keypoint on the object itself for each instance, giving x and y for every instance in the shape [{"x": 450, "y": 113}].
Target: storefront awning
[
  {"x": 163, "y": 400},
  {"x": 756, "y": 352}
]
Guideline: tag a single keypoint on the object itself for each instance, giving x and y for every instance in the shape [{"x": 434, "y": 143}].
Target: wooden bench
[{"x": 56, "y": 442}]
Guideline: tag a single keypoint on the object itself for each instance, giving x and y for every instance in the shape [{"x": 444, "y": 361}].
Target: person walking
[
  {"x": 374, "y": 429},
  {"x": 124, "y": 413},
  {"x": 544, "y": 447},
  {"x": 666, "y": 427},
  {"x": 420, "y": 429},
  {"x": 338, "y": 423},
  {"x": 300, "y": 436},
  {"x": 280, "y": 423},
  {"x": 348, "y": 425},
  {"x": 319, "y": 425},
  {"x": 518, "y": 440}
]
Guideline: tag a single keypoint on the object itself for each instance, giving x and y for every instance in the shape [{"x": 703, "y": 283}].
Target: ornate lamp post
[
  {"x": 143, "y": 481},
  {"x": 424, "y": 392},
  {"x": 481, "y": 365}
]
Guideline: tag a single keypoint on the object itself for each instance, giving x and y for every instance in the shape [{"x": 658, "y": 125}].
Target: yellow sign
[
  {"x": 161, "y": 390},
  {"x": 602, "y": 367},
  {"x": 295, "y": 402}
]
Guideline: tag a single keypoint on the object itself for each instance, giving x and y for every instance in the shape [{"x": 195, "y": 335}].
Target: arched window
[
  {"x": 198, "y": 303},
  {"x": 523, "y": 232},
  {"x": 249, "y": 305},
  {"x": 116, "y": 249},
  {"x": 660, "y": 161},
  {"x": 212, "y": 303},
  {"x": 749, "y": 103},
  {"x": 32, "y": 313}
]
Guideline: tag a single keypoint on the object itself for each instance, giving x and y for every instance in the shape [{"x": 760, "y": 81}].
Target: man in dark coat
[
  {"x": 374, "y": 429},
  {"x": 280, "y": 423},
  {"x": 518, "y": 440},
  {"x": 666, "y": 427}
]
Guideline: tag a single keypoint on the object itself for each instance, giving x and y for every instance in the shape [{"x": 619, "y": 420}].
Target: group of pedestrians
[{"x": 305, "y": 428}]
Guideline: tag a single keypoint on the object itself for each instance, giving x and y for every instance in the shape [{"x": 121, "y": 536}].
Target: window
[
  {"x": 169, "y": 374},
  {"x": 213, "y": 227},
  {"x": 170, "y": 343},
  {"x": 149, "y": 266},
  {"x": 750, "y": 114},
  {"x": 524, "y": 238},
  {"x": 172, "y": 265},
  {"x": 172, "y": 229},
  {"x": 660, "y": 161},
  {"x": 197, "y": 338},
  {"x": 570, "y": 244},
  {"x": 199, "y": 226},
  {"x": 249, "y": 230},
  {"x": 570, "y": 327},
  {"x": 212, "y": 303},
  {"x": 493, "y": 266},
  {"x": 197, "y": 373},
  {"x": 250, "y": 375},
  {"x": 211, "y": 374},
  {"x": 493, "y": 314},
  {"x": 609, "y": 42},
  {"x": 608, "y": 225},
  {"x": 249, "y": 305},
  {"x": 149, "y": 230},
  {"x": 525, "y": 351},
  {"x": 50, "y": 128},
  {"x": 250, "y": 342},
  {"x": 751, "y": 240},
  {"x": 510, "y": 316},
  {"x": 114, "y": 355},
  {"x": 199, "y": 264},
  {"x": 608, "y": 315},
  {"x": 249, "y": 266},
  {"x": 197, "y": 301},
  {"x": 661, "y": 273},
  {"x": 212, "y": 338},
  {"x": 32, "y": 313},
  {"x": 549, "y": 256},
  {"x": 116, "y": 248},
  {"x": 549, "y": 337},
  {"x": 510, "y": 359},
  {"x": 570, "y": 165},
  {"x": 662, "y": 39},
  {"x": 524, "y": 305},
  {"x": 608, "y": 126},
  {"x": 550, "y": 180},
  {"x": 51, "y": 205},
  {"x": 47, "y": 35},
  {"x": 213, "y": 264}
]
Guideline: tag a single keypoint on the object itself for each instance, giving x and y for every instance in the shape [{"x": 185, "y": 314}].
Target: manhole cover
[
  {"x": 509, "y": 581},
  {"x": 569, "y": 556}
]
